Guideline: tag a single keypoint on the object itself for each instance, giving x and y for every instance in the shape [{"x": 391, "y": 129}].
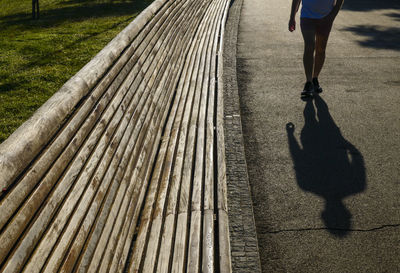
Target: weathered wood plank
[
  {"x": 222, "y": 190},
  {"x": 208, "y": 264},
  {"x": 203, "y": 167},
  {"x": 225, "y": 261},
  {"x": 225, "y": 264},
  {"x": 194, "y": 255}
]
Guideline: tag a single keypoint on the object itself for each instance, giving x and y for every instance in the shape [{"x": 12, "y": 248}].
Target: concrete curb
[{"x": 243, "y": 236}]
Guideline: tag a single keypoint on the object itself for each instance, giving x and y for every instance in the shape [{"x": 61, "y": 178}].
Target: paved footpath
[{"x": 325, "y": 174}]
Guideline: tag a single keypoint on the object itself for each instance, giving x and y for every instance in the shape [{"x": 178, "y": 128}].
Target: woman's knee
[
  {"x": 320, "y": 50},
  {"x": 320, "y": 45}
]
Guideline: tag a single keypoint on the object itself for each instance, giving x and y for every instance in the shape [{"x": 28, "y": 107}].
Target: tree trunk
[{"x": 35, "y": 9}]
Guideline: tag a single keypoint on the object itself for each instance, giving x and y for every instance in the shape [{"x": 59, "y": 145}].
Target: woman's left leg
[{"x": 321, "y": 42}]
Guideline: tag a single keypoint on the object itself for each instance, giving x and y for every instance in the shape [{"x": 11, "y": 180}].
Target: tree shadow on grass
[
  {"x": 327, "y": 165},
  {"x": 68, "y": 11},
  {"x": 73, "y": 11},
  {"x": 45, "y": 59}
]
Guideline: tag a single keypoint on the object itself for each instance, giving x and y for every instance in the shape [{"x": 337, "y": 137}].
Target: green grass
[{"x": 38, "y": 56}]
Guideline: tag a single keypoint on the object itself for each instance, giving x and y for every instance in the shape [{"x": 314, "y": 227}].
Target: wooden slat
[
  {"x": 225, "y": 261},
  {"x": 209, "y": 263},
  {"x": 222, "y": 196},
  {"x": 193, "y": 263},
  {"x": 195, "y": 240},
  {"x": 225, "y": 265}
]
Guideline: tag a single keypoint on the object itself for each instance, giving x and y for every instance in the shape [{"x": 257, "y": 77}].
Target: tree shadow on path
[
  {"x": 377, "y": 35},
  {"x": 368, "y": 5},
  {"x": 327, "y": 165}
]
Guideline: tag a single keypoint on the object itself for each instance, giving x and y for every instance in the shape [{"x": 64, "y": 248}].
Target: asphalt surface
[{"x": 325, "y": 173}]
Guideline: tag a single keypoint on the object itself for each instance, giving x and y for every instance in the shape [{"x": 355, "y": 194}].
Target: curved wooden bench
[{"x": 123, "y": 168}]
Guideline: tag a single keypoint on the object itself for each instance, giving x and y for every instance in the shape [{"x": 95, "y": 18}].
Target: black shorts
[{"x": 320, "y": 26}]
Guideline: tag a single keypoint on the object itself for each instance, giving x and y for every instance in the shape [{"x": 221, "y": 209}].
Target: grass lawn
[{"x": 38, "y": 56}]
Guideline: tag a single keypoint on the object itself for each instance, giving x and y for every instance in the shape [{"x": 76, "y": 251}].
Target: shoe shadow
[{"x": 327, "y": 165}]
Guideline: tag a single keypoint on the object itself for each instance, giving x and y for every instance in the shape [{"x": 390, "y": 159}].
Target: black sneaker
[
  {"x": 317, "y": 88},
  {"x": 308, "y": 90}
]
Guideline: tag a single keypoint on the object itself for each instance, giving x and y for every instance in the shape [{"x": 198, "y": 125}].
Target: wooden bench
[{"x": 123, "y": 169}]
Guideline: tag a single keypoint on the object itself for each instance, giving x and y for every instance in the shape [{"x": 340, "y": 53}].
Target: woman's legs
[{"x": 315, "y": 34}]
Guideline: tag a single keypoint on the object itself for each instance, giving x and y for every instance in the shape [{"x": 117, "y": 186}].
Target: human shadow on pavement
[{"x": 326, "y": 164}]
